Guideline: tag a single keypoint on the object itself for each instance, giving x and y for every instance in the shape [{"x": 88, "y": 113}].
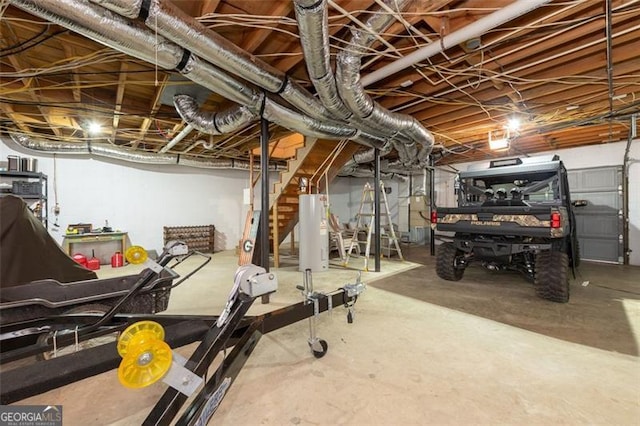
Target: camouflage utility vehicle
[{"x": 512, "y": 214}]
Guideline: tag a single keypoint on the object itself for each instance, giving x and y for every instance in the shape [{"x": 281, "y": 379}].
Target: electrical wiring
[
  {"x": 508, "y": 75},
  {"x": 31, "y": 46},
  {"x": 537, "y": 41},
  {"x": 117, "y": 72},
  {"x": 27, "y": 41},
  {"x": 410, "y": 29},
  {"x": 256, "y": 26},
  {"x": 160, "y": 131},
  {"x": 453, "y": 79},
  {"x": 4, "y": 4},
  {"x": 511, "y": 39},
  {"x": 70, "y": 85},
  {"x": 102, "y": 56}
]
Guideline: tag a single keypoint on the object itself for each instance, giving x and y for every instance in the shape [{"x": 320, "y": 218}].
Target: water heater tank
[{"x": 314, "y": 233}]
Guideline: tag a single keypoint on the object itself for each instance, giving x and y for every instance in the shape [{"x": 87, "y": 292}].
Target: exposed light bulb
[
  {"x": 513, "y": 124},
  {"x": 94, "y": 128}
]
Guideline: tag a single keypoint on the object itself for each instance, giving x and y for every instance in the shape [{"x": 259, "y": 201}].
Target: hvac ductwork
[
  {"x": 366, "y": 172},
  {"x": 84, "y": 17},
  {"x": 312, "y": 17},
  {"x": 106, "y": 150},
  {"x": 212, "y": 123},
  {"x": 172, "y": 23},
  {"x": 169, "y": 21},
  {"x": 97, "y": 23},
  {"x": 360, "y": 103}
]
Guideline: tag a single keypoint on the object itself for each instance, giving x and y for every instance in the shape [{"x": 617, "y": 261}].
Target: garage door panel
[
  {"x": 598, "y": 249},
  {"x": 598, "y": 201},
  {"x": 601, "y": 226},
  {"x": 596, "y": 179}
]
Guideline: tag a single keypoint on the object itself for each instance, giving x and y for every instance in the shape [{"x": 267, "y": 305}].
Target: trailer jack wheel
[{"x": 319, "y": 348}]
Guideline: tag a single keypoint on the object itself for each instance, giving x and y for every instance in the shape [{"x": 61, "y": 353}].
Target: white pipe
[
  {"x": 177, "y": 139},
  {"x": 478, "y": 28}
]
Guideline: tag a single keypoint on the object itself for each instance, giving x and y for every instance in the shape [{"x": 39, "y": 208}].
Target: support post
[
  {"x": 264, "y": 216},
  {"x": 376, "y": 202},
  {"x": 432, "y": 206}
]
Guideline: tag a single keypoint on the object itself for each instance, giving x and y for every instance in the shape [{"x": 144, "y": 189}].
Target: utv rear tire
[
  {"x": 552, "y": 276},
  {"x": 446, "y": 262}
]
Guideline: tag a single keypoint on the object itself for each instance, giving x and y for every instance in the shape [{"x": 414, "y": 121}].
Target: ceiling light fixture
[
  {"x": 498, "y": 139},
  {"x": 94, "y": 128},
  {"x": 513, "y": 124}
]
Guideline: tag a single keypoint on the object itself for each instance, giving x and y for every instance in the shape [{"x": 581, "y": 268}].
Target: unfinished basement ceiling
[{"x": 569, "y": 77}]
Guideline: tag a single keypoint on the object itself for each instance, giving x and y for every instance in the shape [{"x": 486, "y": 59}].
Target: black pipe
[
  {"x": 264, "y": 215},
  {"x": 625, "y": 192},
  {"x": 432, "y": 204},
  {"x": 376, "y": 201}
]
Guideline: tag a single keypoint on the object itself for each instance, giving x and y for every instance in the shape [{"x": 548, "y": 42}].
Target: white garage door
[{"x": 599, "y": 223}]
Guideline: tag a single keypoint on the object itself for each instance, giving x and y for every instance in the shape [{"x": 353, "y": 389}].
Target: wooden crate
[{"x": 199, "y": 238}]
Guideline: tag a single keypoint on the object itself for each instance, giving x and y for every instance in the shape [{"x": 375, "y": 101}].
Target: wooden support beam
[
  {"x": 258, "y": 36},
  {"x": 155, "y": 106},
  {"x": 209, "y": 6},
  {"x": 119, "y": 97}
]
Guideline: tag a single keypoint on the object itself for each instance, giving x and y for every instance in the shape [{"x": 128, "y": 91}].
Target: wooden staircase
[{"x": 313, "y": 159}]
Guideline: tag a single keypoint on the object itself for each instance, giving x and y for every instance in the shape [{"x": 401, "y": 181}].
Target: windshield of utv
[{"x": 510, "y": 190}]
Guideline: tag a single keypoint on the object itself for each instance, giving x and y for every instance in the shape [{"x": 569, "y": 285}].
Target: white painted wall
[
  {"x": 141, "y": 199},
  {"x": 345, "y": 196},
  {"x": 610, "y": 154}
]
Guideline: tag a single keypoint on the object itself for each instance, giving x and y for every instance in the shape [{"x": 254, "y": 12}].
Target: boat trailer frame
[{"x": 237, "y": 330}]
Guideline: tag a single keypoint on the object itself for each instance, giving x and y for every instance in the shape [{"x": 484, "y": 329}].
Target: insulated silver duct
[
  {"x": 84, "y": 17},
  {"x": 102, "y": 149},
  {"x": 186, "y": 31},
  {"x": 312, "y": 17},
  {"x": 345, "y": 91},
  {"x": 305, "y": 125},
  {"x": 363, "y": 158},
  {"x": 207, "y": 75},
  {"x": 106, "y": 28},
  {"x": 171, "y": 22},
  {"x": 213, "y": 123},
  {"x": 353, "y": 94},
  {"x": 366, "y": 172}
]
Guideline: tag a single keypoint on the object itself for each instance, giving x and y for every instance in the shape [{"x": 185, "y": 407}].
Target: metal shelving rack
[{"x": 42, "y": 197}]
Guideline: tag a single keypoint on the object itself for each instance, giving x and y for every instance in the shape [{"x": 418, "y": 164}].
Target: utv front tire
[
  {"x": 552, "y": 276},
  {"x": 447, "y": 262}
]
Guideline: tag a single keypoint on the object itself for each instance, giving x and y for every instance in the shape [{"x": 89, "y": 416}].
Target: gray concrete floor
[{"x": 422, "y": 350}]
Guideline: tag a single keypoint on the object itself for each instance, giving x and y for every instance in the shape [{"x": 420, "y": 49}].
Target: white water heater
[{"x": 314, "y": 233}]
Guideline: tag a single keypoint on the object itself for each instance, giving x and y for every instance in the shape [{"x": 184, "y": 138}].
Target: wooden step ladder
[{"x": 366, "y": 222}]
